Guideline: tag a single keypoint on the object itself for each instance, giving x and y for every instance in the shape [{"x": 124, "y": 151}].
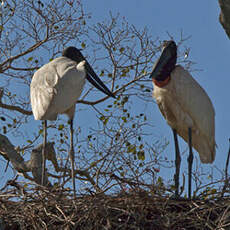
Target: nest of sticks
[{"x": 42, "y": 209}]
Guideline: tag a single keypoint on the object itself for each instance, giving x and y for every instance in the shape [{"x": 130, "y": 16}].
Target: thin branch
[
  {"x": 32, "y": 48},
  {"x": 115, "y": 92},
  {"x": 226, "y": 183},
  {"x": 13, "y": 107}
]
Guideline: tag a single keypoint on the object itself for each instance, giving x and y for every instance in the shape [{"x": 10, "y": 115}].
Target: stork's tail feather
[{"x": 207, "y": 158}]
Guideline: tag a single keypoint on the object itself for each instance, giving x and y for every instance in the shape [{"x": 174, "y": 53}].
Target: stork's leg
[
  {"x": 71, "y": 156},
  {"x": 190, "y": 161},
  {"x": 43, "y": 152},
  {"x": 177, "y": 163}
]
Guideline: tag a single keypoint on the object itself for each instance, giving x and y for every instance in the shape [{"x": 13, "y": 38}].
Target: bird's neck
[{"x": 161, "y": 83}]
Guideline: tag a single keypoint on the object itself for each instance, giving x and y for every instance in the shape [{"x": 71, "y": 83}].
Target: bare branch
[{"x": 13, "y": 107}]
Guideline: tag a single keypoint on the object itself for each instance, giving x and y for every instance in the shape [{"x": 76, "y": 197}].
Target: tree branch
[
  {"x": 224, "y": 17},
  {"x": 13, "y": 107},
  {"x": 115, "y": 92}
]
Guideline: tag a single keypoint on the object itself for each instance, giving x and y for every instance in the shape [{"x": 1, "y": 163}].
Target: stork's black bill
[
  {"x": 76, "y": 55},
  {"x": 92, "y": 77},
  {"x": 166, "y": 63}
]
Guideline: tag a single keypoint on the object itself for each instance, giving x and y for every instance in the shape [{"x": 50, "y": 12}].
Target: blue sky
[{"x": 210, "y": 50}]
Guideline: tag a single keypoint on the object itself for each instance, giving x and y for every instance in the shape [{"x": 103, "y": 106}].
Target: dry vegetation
[{"x": 133, "y": 210}]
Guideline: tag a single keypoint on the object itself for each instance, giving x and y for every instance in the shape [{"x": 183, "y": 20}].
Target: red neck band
[{"x": 161, "y": 83}]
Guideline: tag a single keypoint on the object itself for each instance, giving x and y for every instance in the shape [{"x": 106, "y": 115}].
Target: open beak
[{"x": 92, "y": 77}]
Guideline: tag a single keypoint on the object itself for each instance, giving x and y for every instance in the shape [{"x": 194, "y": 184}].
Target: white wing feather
[
  {"x": 55, "y": 88},
  {"x": 185, "y": 104}
]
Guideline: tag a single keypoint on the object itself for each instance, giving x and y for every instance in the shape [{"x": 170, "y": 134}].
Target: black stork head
[
  {"x": 166, "y": 63},
  {"x": 75, "y": 54}
]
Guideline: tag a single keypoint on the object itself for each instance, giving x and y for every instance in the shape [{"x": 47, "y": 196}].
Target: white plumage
[
  {"x": 184, "y": 104},
  {"x": 186, "y": 108},
  {"x": 55, "y": 88}
]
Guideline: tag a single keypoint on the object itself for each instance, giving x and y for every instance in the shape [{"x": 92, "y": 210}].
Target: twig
[
  {"x": 13, "y": 107},
  {"x": 115, "y": 92},
  {"x": 226, "y": 183}
]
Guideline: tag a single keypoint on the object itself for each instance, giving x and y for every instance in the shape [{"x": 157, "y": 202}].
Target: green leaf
[
  {"x": 61, "y": 127},
  {"x": 30, "y": 59},
  {"x": 93, "y": 164},
  {"x": 141, "y": 155},
  {"x": 143, "y": 71},
  {"x": 122, "y": 174},
  {"x": 105, "y": 120},
  {"x": 131, "y": 149},
  {"x": 124, "y": 119},
  {"x": 141, "y": 146},
  {"x": 102, "y": 73},
  {"x": 83, "y": 45},
  {"x": 121, "y": 49},
  {"x": 160, "y": 180},
  {"x": 213, "y": 191},
  {"x": 142, "y": 86},
  {"x": 123, "y": 74},
  {"x": 102, "y": 118}
]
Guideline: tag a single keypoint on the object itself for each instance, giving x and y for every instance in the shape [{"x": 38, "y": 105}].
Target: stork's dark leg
[
  {"x": 177, "y": 163},
  {"x": 43, "y": 152},
  {"x": 71, "y": 156},
  {"x": 190, "y": 161}
]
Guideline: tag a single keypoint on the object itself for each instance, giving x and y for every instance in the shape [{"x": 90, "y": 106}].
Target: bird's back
[
  {"x": 55, "y": 88},
  {"x": 185, "y": 104}
]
